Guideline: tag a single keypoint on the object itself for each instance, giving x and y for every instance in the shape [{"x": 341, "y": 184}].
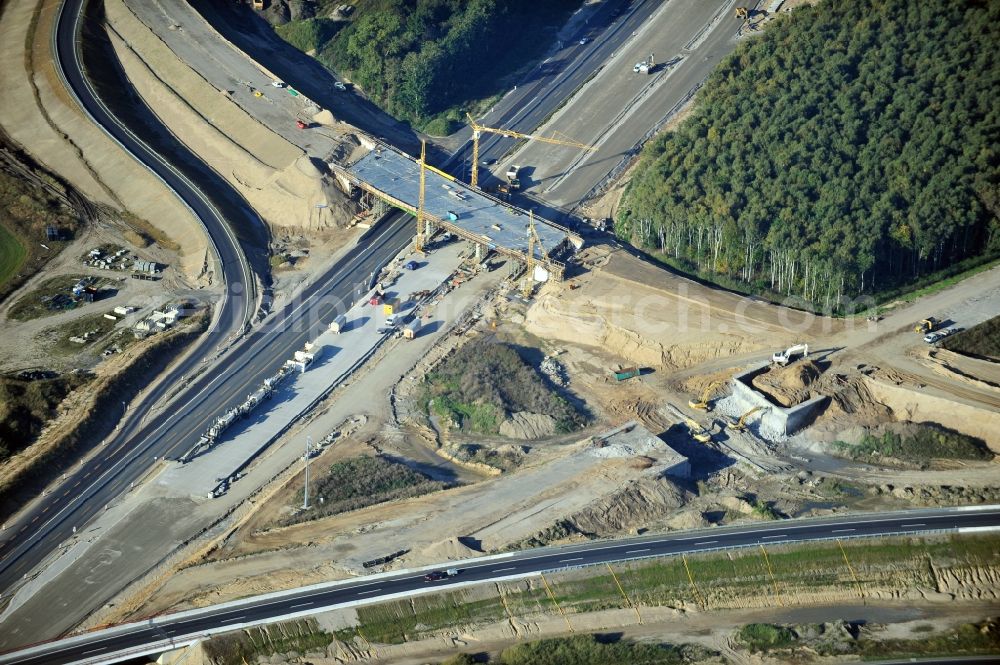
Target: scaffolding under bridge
[{"x": 455, "y": 207}]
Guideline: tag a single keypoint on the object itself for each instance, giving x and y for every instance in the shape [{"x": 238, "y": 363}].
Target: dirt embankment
[
  {"x": 283, "y": 184},
  {"x": 39, "y": 115},
  {"x": 654, "y": 318}
]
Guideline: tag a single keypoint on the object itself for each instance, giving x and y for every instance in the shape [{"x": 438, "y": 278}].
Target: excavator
[
  {"x": 741, "y": 12},
  {"x": 702, "y": 404},
  {"x": 697, "y": 431},
  {"x": 741, "y": 424},
  {"x": 927, "y": 325}
]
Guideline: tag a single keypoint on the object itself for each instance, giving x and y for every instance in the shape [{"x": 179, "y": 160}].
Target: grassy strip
[
  {"x": 982, "y": 341},
  {"x": 360, "y": 482},
  {"x": 722, "y": 580},
  {"x": 49, "y": 297},
  {"x": 253, "y": 644},
  {"x": 12, "y": 255},
  {"x": 589, "y": 650}
]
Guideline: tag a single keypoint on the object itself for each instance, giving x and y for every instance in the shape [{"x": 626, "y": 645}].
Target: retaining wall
[{"x": 787, "y": 420}]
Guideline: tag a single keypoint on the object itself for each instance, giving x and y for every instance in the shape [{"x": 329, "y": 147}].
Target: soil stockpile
[{"x": 788, "y": 386}]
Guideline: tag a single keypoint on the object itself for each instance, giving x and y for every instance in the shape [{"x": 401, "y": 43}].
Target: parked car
[{"x": 411, "y": 265}]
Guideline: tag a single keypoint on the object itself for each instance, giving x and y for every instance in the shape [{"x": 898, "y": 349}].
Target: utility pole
[{"x": 305, "y": 500}]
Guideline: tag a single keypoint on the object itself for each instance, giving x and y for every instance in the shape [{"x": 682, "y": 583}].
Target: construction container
[
  {"x": 411, "y": 329},
  {"x": 338, "y": 324},
  {"x": 626, "y": 373},
  {"x": 391, "y": 306}
]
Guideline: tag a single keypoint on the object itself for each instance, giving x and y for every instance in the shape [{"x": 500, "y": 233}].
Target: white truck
[
  {"x": 513, "y": 181},
  {"x": 645, "y": 67},
  {"x": 338, "y": 324}
]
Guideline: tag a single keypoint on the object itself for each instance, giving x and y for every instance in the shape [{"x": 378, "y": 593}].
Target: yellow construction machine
[
  {"x": 698, "y": 432},
  {"x": 741, "y": 12},
  {"x": 702, "y": 404},
  {"x": 927, "y": 325},
  {"x": 741, "y": 424}
]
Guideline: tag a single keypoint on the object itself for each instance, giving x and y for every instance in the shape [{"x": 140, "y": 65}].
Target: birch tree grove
[{"x": 852, "y": 149}]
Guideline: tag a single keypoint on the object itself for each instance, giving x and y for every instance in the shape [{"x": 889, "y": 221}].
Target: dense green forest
[
  {"x": 851, "y": 150},
  {"x": 422, "y": 59}
]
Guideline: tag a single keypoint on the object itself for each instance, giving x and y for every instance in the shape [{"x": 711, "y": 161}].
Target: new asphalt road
[
  {"x": 169, "y": 631},
  {"x": 168, "y": 433},
  {"x": 25, "y": 541}
]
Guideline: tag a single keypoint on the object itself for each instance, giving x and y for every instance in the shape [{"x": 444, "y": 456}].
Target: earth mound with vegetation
[
  {"x": 480, "y": 386},
  {"x": 27, "y": 404},
  {"x": 360, "y": 482},
  {"x": 982, "y": 341},
  {"x": 851, "y": 150},
  {"x": 915, "y": 444}
]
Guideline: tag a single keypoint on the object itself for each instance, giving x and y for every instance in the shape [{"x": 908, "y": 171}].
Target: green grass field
[{"x": 12, "y": 255}]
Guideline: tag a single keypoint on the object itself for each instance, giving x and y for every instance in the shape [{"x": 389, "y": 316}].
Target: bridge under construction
[{"x": 460, "y": 209}]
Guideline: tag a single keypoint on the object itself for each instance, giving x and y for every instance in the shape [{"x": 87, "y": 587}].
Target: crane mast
[{"x": 478, "y": 129}]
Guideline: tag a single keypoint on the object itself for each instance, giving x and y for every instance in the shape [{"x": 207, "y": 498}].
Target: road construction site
[{"x": 702, "y": 407}]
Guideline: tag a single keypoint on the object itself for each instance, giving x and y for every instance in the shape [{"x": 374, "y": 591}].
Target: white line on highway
[
  {"x": 780, "y": 535},
  {"x": 361, "y": 593},
  {"x": 577, "y": 558},
  {"x": 500, "y": 570},
  {"x": 301, "y": 605},
  {"x": 636, "y": 551},
  {"x": 233, "y": 619},
  {"x": 909, "y": 525},
  {"x": 84, "y": 653},
  {"x": 842, "y": 530},
  {"x": 706, "y": 542}
]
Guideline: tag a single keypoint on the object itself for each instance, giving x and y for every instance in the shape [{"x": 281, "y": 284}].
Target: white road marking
[
  {"x": 500, "y": 570},
  {"x": 841, "y": 530},
  {"x": 84, "y": 653},
  {"x": 909, "y": 525},
  {"x": 300, "y": 605},
  {"x": 780, "y": 535},
  {"x": 579, "y": 558},
  {"x": 636, "y": 551},
  {"x": 361, "y": 593},
  {"x": 706, "y": 542},
  {"x": 233, "y": 619}
]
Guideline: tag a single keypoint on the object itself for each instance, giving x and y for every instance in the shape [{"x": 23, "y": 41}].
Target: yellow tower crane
[
  {"x": 418, "y": 242},
  {"x": 533, "y": 241},
  {"x": 478, "y": 129},
  {"x": 702, "y": 404}
]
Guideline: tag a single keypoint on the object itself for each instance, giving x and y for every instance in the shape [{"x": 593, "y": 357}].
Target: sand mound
[
  {"x": 324, "y": 117},
  {"x": 788, "y": 386},
  {"x": 451, "y": 549},
  {"x": 528, "y": 426},
  {"x": 639, "y": 503},
  {"x": 306, "y": 167}
]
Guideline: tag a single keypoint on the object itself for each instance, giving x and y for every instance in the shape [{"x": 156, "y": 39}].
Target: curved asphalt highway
[
  {"x": 170, "y": 631},
  {"x": 29, "y": 538}
]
